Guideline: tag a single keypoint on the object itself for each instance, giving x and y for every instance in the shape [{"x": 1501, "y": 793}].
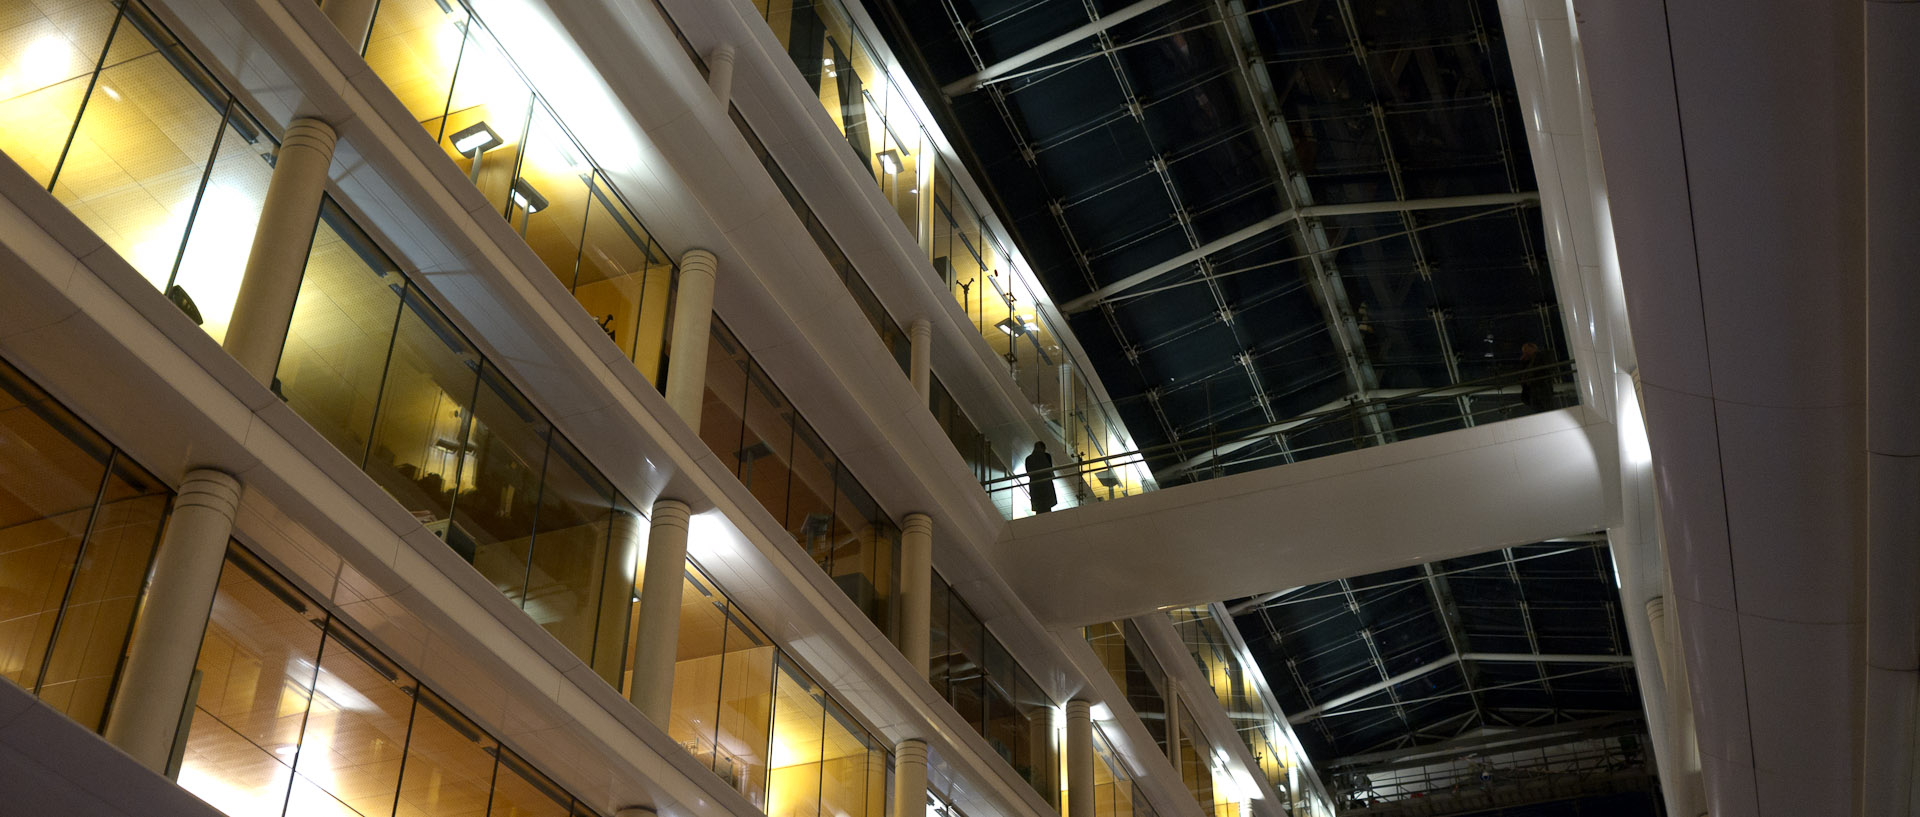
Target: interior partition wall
[{"x": 79, "y": 525}]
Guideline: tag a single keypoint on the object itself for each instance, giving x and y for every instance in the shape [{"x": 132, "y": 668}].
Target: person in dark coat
[{"x": 1040, "y": 488}]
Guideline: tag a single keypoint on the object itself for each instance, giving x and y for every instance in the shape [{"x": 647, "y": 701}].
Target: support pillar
[
  {"x": 692, "y": 321},
  {"x": 354, "y": 18},
  {"x": 916, "y": 591},
  {"x": 920, "y": 359},
  {"x": 720, "y": 75},
  {"x": 910, "y": 778},
  {"x": 278, "y": 258},
  {"x": 165, "y": 644},
  {"x": 1080, "y": 795},
  {"x": 665, "y": 573}
]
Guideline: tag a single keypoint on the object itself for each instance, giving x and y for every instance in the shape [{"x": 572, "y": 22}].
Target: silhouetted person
[{"x": 1040, "y": 483}]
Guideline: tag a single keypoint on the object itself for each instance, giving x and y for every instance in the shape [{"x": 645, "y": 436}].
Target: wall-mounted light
[
  {"x": 473, "y": 141},
  {"x": 1012, "y": 327},
  {"x": 890, "y": 161},
  {"x": 828, "y": 65}
]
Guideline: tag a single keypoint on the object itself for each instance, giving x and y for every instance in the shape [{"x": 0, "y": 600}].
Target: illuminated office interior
[{"x": 591, "y": 409}]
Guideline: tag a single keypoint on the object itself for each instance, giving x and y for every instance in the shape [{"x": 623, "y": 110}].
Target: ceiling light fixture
[{"x": 890, "y": 161}]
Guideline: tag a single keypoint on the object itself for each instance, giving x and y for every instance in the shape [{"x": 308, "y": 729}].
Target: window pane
[
  {"x": 257, "y": 669},
  {"x": 350, "y": 754},
  {"x": 726, "y": 392},
  {"x": 810, "y": 495},
  {"x": 47, "y": 54},
  {"x": 449, "y": 765},
  {"x": 106, "y": 592},
  {"x": 51, "y": 468},
  {"x": 342, "y": 330},
  {"x": 846, "y": 751},
  {"x": 862, "y": 559},
  {"x": 568, "y": 569},
  {"x": 553, "y": 183},
  {"x": 134, "y": 168},
  {"x": 697, "y": 666},
  {"x": 766, "y": 441},
  {"x": 793, "y": 788},
  {"x": 493, "y": 513},
  {"x": 488, "y": 91},
  {"x": 224, "y": 221},
  {"x": 746, "y": 709},
  {"x": 965, "y": 670},
  {"x": 623, "y": 280},
  {"x": 520, "y": 791},
  {"x": 420, "y": 447},
  {"x": 939, "y": 645},
  {"x": 414, "y": 46}
]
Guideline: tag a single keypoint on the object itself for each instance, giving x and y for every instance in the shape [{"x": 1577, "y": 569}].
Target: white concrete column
[
  {"x": 1080, "y": 793},
  {"x": 720, "y": 75},
  {"x": 666, "y": 569},
  {"x": 692, "y": 320},
  {"x": 353, "y": 17},
  {"x": 165, "y": 644},
  {"x": 910, "y": 778},
  {"x": 271, "y": 283},
  {"x": 916, "y": 591},
  {"x": 920, "y": 359}
]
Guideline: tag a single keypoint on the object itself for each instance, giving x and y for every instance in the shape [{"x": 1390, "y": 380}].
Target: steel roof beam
[
  {"x": 987, "y": 75},
  {"x": 1288, "y": 216}
]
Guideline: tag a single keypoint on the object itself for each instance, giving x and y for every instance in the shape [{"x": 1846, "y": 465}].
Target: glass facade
[
  {"x": 1113, "y": 790},
  {"x": 999, "y": 296},
  {"x": 104, "y": 107},
  {"x": 1118, "y": 646},
  {"x": 79, "y": 523},
  {"x": 297, "y": 715},
  {"x": 1242, "y": 693},
  {"x": 451, "y": 73},
  {"x": 973, "y": 671},
  {"x": 386, "y": 377}
]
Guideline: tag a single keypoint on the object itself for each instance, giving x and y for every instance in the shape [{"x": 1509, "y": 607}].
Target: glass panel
[
  {"x": 350, "y": 753},
  {"x": 51, "y": 467},
  {"x": 420, "y": 450},
  {"x": 862, "y": 561},
  {"x": 746, "y": 709},
  {"x": 487, "y": 94},
  {"x": 551, "y": 195},
  {"x": 720, "y": 413},
  {"x": 810, "y": 495},
  {"x": 965, "y": 673},
  {"x": 623, "y": 281},
  {"x": 519, "y": 791},
  {"x": 414, "y": 46},
  {"x": 799, "y": 723},
  {"x": 224, "y": 222},
  {"x": 257, "y": 668},
  {"x": 100, "y": 607},
  {"x": 48, "y": 52},
  {"x": 134, "y": 168},
  {"x": 449, "y": 765},
  {"x": 567, "y": 571},
  {"x": 766, "y": 442},
  {"x": 697, "y": 666},
  {"x": 940, "y": 647},
  {"x": 493, "y": 513},
  {"x": 845, "y": 756},
  {"x": 342, "y": 331}
]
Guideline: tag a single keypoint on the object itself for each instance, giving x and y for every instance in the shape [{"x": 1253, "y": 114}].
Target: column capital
[
  {"x": 911, "y": 750},
  {"x": 916, "y": 522},
  {"x": 921, "y": 328},
  {"x": 310, "y": 133},
  {"x": 671, "y": 513},
  {"x": 699, "y": 262},
  {"x": 1078, "y": 708},
  {"x": 209, "y": 488}
]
